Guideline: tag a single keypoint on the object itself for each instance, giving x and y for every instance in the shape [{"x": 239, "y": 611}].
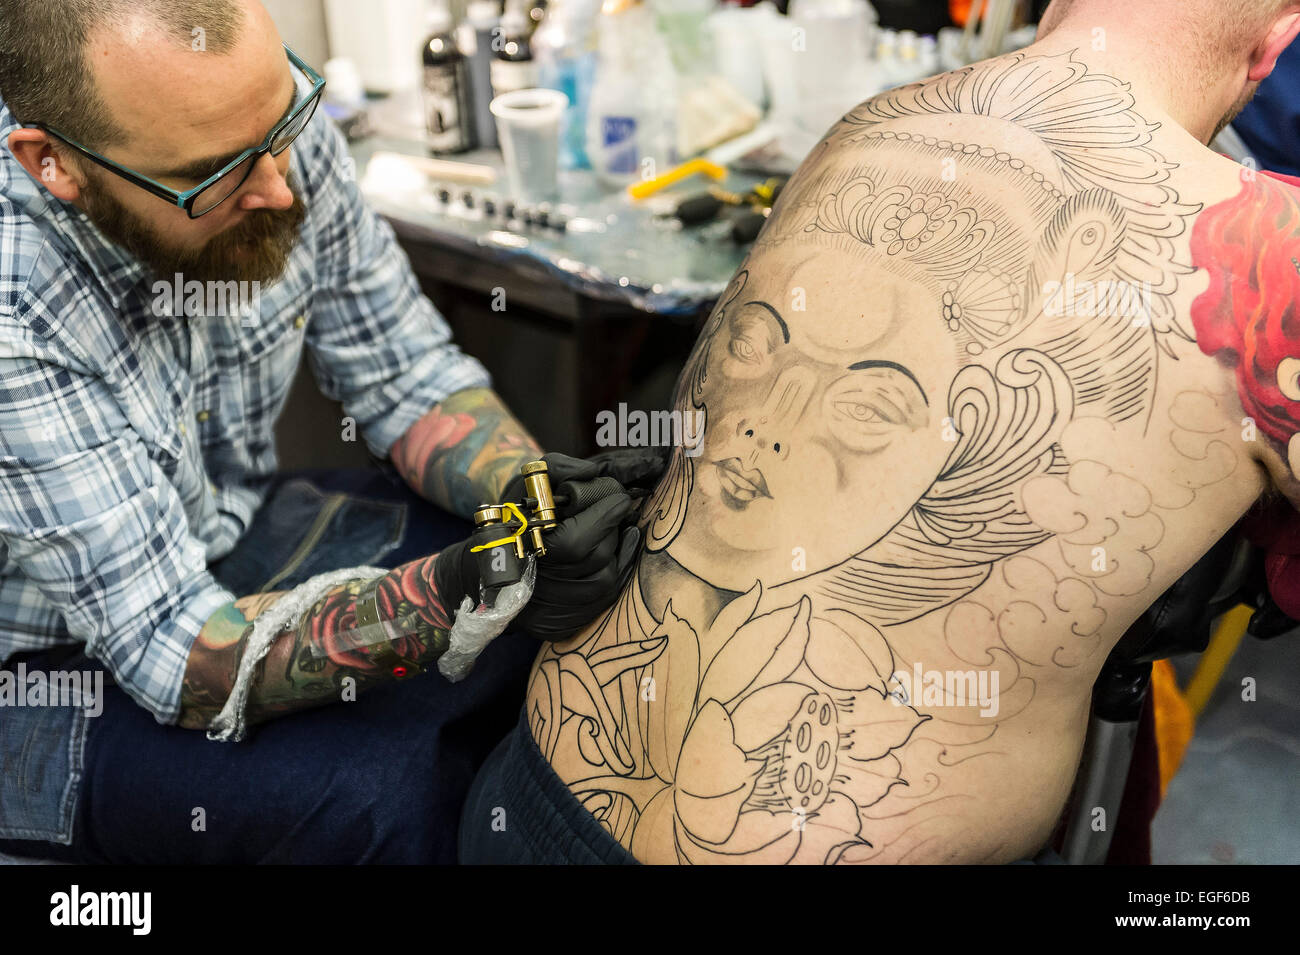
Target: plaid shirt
[{"x": 135, "y": 447}]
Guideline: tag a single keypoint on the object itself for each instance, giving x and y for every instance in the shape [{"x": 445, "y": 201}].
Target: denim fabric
[
  {"x": 357, "y": 531},
  {"x": 519, "y": 812},
  {"x": 41, "y": 754},
  {"x": 381, "y": 779}
]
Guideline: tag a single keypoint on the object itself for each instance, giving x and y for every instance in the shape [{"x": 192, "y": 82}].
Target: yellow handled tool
[{"x": 648, "y": 187}]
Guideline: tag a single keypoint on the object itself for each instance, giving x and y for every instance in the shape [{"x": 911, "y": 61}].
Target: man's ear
[
  {"x": 35, "y": 151},
  {"x": 1264, "y": 57}
]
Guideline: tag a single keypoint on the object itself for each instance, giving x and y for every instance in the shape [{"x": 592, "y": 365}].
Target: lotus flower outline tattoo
[{"x": 759, "y": 738}]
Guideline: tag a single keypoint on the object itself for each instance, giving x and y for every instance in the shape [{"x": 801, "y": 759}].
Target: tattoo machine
[
  {"x": 508, "y": 539},
  {"x": 505, "y": 536},
  {"x": 756, "y": 204}
]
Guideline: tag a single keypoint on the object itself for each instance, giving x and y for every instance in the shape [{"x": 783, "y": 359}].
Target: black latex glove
[
  {"x": 589, "y": 558},
  {"x": 455, "y": 573},
  {"x": 634, "y": 468},
  {"x": 589, "y": 554}
]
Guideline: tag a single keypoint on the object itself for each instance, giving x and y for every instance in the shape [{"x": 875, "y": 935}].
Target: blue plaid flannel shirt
[{"x": 134, "y": 447}]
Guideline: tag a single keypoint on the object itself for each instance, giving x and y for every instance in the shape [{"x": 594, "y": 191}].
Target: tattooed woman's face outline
[{"x": 816, "y": 439}]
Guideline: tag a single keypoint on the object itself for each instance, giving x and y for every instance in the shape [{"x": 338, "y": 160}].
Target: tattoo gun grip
[
  {"x": 580, "y": 495},
  {"x": 537, "y": 486}
]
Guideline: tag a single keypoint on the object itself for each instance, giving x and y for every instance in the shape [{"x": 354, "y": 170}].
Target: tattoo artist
[{"x": 144, "y": 532}]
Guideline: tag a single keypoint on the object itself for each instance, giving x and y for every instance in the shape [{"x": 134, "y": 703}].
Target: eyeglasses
[{"x": 219, "y": 187}]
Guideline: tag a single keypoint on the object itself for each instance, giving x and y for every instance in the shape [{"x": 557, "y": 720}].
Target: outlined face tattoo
[{"x": 824, "y": 420}]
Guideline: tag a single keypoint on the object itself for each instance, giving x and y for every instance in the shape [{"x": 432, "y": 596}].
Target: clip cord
[{"x": 506, "y": 540}]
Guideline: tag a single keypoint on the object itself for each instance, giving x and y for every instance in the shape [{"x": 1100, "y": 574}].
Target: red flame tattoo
[{"x": 1250, "y": 315}]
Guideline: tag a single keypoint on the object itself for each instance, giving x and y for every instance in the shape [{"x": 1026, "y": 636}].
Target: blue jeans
[
  {"x": 381, "y": 779},
  {"x": 518, "y": 811}
]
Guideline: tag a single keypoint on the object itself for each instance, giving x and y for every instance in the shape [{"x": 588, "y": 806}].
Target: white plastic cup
[{"x": 528, "y": 125}]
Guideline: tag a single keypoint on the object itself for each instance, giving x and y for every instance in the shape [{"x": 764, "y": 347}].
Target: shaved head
[
  {"x": 175, "y": 91},
  {"x": 47, "y": 75},
  {"x": 1225, "y": 28}
]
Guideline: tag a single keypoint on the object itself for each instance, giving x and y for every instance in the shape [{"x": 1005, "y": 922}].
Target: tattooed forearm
[
  {"x": 307, "y": 666},
  {"x": 464, "y": 451}
]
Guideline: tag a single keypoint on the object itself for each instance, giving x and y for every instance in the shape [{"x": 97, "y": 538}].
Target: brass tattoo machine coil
[{"x": 505, "y": 534}]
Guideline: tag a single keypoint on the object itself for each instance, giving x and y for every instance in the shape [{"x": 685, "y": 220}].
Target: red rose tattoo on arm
[
  {"x": 461, "y": 454},
  {"x": 334, "y": 636},
  {"x": 307, "y": 665},
  {"x": 1249, "y": 318}
]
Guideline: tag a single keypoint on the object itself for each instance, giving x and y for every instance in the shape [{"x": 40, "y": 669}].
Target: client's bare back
[{"x": 962, "y": 425}]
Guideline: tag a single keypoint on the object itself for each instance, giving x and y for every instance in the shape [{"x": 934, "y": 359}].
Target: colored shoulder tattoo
[{"x": 1249, "y": 318}]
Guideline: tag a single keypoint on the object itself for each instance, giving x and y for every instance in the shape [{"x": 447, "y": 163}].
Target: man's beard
[
  {"x": 255, "y": 250},
  {"x": 1243, "y": 101}
]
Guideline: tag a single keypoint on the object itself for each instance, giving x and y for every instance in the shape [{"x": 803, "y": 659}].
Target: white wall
[{"x": 302, "y": 26}]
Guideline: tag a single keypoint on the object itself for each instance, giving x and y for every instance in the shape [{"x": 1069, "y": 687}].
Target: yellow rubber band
[{"x": 506, "y": 540}]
